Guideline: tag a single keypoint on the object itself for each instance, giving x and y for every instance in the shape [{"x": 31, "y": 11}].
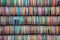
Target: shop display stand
[{"x": 29, "y": 24}]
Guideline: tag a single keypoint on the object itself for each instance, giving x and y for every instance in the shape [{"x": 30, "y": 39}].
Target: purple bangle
[
  {"x": 58, "y": 2},
  {"x": 4, "y": 11},
  {"x": 39, "y": 11}
]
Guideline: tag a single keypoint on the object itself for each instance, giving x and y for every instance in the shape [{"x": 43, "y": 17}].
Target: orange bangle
[
  {"x": 31, "y": 10},
  {"x": 40, "y": 2},
  {"x": 54, "y": 2},
  {"x": 59, "y": 10},
  {"x": 0, "y": 10},
  {"x": 15, "y": 11},
  {"x": 56, "y": 29}
]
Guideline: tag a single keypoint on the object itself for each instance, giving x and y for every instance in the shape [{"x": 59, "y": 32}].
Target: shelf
[
  {"x": 29, "y": 15},
  {"x": 29, "y": 34},
  {"x": 29, "y": 25},
  {"x": 27, "y": 6}
]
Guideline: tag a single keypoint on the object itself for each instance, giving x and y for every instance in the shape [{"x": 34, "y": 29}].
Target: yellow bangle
[
  {"x": 56, "y": 29},
  {"x": 40, "y": 2}
]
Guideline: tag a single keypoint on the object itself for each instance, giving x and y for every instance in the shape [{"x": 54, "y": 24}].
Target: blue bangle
[
  {"x": 18, "y": 10},
  {"x": 13, "y": 20},
  {"x": 38, "y": 2},
  {"x": 4, "y": 11},
  {"x": 19, "y": 20},
  {"x": 26, "y": 2},
  {"x": 9, "y": 20},
  {"x": 12, "y": 38},
  {"x": 58, "y": 2}
]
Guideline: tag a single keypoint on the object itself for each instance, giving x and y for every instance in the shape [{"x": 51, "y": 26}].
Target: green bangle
[
  {"x": 35, "y": 11},
  {"x": 17, "y": 2},
  {"x": 4, "y": 2},
  {"x": 12, "y": 2},
  {"x": 16, "y": 37},
  {"x": 43, "y": 37},
  {"x": 49, "y": 10},
  {"x": 46, "y": 20},
  {"x": 39, "y": 20},
  {"x": 22, "y": 37}
]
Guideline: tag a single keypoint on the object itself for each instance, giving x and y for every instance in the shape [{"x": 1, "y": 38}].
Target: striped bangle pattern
[
  {"x": 30, "y": 11},
  {"x": 30, "y": 37},
  {"x": 38, "y": 20},
  {"x": 30, "y": 2},
  {"x": 30, "y": 30}
]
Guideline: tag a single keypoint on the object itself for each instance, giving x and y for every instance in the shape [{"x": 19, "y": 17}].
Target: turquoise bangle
[
  {"x": 28, "y": 1},
  {"x": 39, "y": 20},
  {"x": 4, "y": 2},
  {"x": 18, "y": 10},
  {"x": 48, "y": 10},
  {"x": 19, "y": 20},
  {"x": 16, "y": 37},
  {"x": 7, "y": 3},
  {"x": 13, "y": 22},
  {"x": 9, "y": 20},
  {"x": 12, "y": 38},
  {"x": 50, "y": 2},
  {"x": 22, "y": 37},
  {"x": 43, "y": 2},
  {"x": 17, "y": 30},
  {"x": 46, "y": 37}
]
